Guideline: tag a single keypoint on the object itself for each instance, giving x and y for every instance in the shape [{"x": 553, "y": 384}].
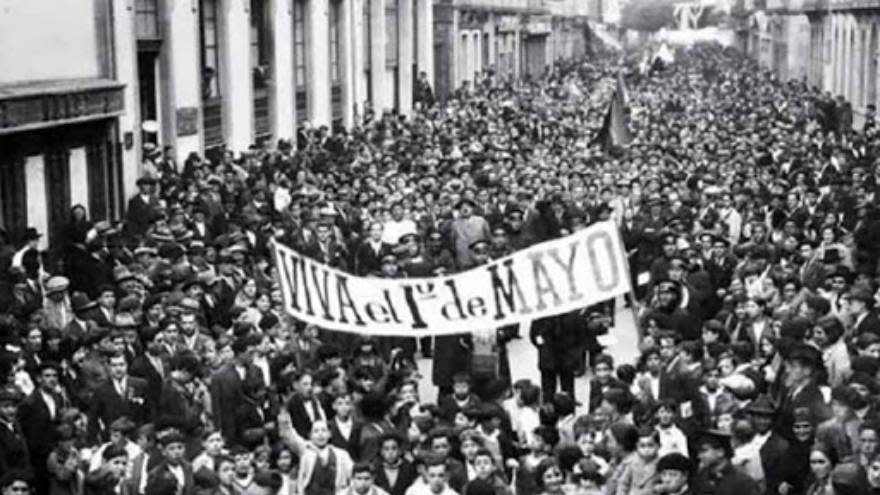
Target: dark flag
[{"x": 614, "y": 131}]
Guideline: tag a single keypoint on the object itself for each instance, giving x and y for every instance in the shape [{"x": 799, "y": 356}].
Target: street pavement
[{"x": 621, "y": 342}]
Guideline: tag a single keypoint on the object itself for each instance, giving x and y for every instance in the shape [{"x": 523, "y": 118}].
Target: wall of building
[
  {"x": 42, "y": 40},
  {"x": 844, "y": 45}
]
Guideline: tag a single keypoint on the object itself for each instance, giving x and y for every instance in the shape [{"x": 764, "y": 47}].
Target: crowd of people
[{"x": 153, "y": 356}]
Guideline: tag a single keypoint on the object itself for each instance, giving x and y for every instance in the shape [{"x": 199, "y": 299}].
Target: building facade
[
  {"x": 512, "y": 38},
  {"x": 782, "y": 33},
  {"x": 844, "y": 47},
  {"x": 833, "y": 45},
  {"x": 99, "y": 79},
  {"x": 63, "y": 115},
  {"x": 86, "y": 84}
]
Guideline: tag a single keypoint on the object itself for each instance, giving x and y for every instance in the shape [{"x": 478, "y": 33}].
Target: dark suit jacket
[
  {"x": 139, "y": 214},
  {"x": 162, "y": 469},
  {"x": 108, "y": 406},
  {"x": 37, "y": 425},
  {"x": 351, "y": 444},
  {"x": 142, "y": 368},
  {"x": 302, "y": 423},
  {"x": 774, "y": 455},
  {"x": 247, "y": 417},
  {"x": 406, "y": 476},
  {"x": 563, "y": 337},
  {"x": 869, "y": 324},
  {"x": 227, "y": 394},
  {"x": 14, "y": 452},
  {"x": 367, "y": 261}
]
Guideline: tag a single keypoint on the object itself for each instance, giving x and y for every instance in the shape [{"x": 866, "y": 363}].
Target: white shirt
[
  {"x": 120, "y": 387},
  {"x": 263, "y": 364},
  {"x": 156, "y": 362},
  {"x": 344, "y": 427},
  {"x": 50, "y": 403},
  {"x": 391, "y": 473},
  {"x": 672, "y": 440},
  {"x": 242, "y": 372},
  {"x": 759, "y": 440},
  {"x": 177, "y": 471},
  {"x": 419, "y": 487}
]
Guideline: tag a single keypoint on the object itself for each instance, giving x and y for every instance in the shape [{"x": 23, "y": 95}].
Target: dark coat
[
  {"x": 730, "y": 481},
  {"x": 189, "y": 484},
  {"x": 108, "y": 406},
  {"x": 299, "y": 416},
  {"x": 14, "y": 452},
  {"x": 248, "y": 418},
  {"x": 226, "y": 394},
  {"x": 177, "y": 404},
  {"x": 774, "y": 457},
  {"x": 37, "y": 425},
  {"x": 349, "y": 445},
  {"x": 563, "y": 341},
  {"x": 868, "y": 324},
  {"x": 142, "y": 368},
  {"x": 367, "y": 261},
  {"x": 449, "y": 407},
  {"x": 139, "y": 214},
  {"x": 452, "y": 354},
  {"x": 406, "y": 476},
  {"x": 86, "y": 273}
]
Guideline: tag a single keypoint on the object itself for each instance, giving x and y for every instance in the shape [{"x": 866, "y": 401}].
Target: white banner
[{"x": 553, "y": 277}]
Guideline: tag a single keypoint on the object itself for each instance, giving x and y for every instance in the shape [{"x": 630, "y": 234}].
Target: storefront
[{"x": 59, "y": 147}]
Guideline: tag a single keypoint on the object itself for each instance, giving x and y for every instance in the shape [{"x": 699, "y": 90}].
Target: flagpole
[{"x": 631, "y": 293}]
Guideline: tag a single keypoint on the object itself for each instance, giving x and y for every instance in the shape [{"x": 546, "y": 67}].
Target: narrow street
[{"x": 621, "y": 343}]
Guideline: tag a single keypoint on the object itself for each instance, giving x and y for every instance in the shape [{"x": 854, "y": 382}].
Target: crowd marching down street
[{"x": 157, "y": 356}]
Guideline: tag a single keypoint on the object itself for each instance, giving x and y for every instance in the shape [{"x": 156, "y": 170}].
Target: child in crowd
[
  {"x": 671, "y": 438},
  {"x": 638, "y": 476}
]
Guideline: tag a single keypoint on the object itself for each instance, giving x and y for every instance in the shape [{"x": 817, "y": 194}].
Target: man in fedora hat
[
  {"x": 861, "y": 307},
  {"x": 802, "y": 365},
  {"x": 716, "y": 474},
  {"x": 142, "y": 207},
  {"x": 772, "y": 447},
  {"x": 80, "y": 323}
]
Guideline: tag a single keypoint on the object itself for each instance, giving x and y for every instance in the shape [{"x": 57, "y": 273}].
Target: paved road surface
[{"x": 622, "y": 344}]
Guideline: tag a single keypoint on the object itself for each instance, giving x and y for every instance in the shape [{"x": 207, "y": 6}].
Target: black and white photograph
[{"x": 439, "y": 247}]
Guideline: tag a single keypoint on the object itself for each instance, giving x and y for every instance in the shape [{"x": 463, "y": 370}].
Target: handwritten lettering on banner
[{"x": 546, "y": 279}]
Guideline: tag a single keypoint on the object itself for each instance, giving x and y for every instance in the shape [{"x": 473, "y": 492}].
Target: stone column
[
  {"x": 478, "y": 53},
  {"x": 180, "y": 64},
  {"x": 236, "y": 86},
  {"x": 489, "y": 32},
  {"x": 281, "y": 86},
  {"x": 318, "y": 47},
  {"x": 405, "y": 55},
  {"x": 425, "y": 41},
  {"x": 359, "y": 57},
  {"x": 348, "y": 48},
  {"x": 125, "y": 62},
  {"x": 382, "y": 91}
]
